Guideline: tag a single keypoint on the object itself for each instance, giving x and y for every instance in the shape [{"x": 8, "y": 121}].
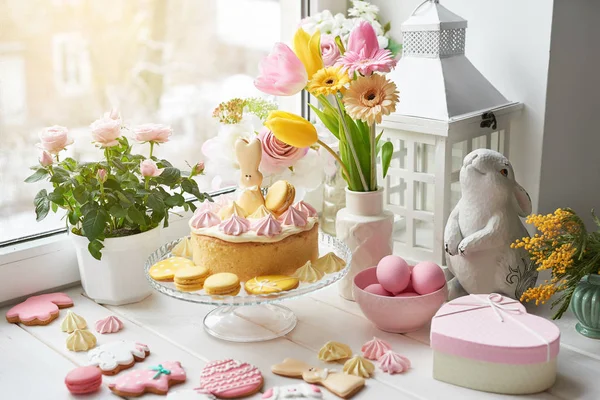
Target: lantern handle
[{"x": 422, "y": 4}]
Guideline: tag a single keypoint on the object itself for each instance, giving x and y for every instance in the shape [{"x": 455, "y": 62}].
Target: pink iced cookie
[
  {"x": 427, "y": 277},
  {"x": 301, "y": 391},
  {"x": 157, "y": 379},
  {"x": 83, "y": 380},
  {"x": 393, "y": 273},
  {"x": 39, "y": 310},
  {"x": 230, "y": 379},
  {"x": 376, "y": 288}
]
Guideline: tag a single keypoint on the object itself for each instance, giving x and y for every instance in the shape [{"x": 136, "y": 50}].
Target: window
[{"x": 171, "y": 62}]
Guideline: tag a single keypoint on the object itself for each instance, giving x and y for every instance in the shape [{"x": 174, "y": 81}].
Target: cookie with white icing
[
  {"x": 114, "y": 357},
  {"x": 301, "y": 391}
]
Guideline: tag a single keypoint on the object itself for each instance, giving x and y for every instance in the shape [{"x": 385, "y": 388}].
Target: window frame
[{"x": 47, "y": 260}]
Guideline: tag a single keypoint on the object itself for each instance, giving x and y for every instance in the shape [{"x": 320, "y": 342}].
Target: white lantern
[{"x": 447, "y": 108}]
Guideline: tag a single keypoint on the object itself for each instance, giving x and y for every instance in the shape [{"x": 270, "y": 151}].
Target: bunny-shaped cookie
[
  {"x": 248, "y": 154},
  {"x": 340, "y": 384},
  {"x": 482, "y": 227}
]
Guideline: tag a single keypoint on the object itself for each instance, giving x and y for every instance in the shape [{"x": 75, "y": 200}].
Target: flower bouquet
[
  {"x": 353, "y": 93},
  {"x": 124, "y": 194},
  {"x": 567, "y": 249}
]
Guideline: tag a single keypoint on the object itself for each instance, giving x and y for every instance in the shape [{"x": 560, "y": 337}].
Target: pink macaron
[
  {"x": 376, "y": 288},
  {"x": 427, "y": 277},
  {"x": 84, "y": 380},
  {"x": 393, "y": 273}
]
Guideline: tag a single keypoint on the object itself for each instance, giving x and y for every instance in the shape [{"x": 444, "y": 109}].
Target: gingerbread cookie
[
  {"x": 340, "y": 384},
  {"x": 157, "y": 379},
  {"x": 39, "y": 310},
  {"x": 301, "y": 391},
  {"x": 230, "y": 379},
  {"x": 269, "y": 284},
  {"x": 114, "y": 357}
]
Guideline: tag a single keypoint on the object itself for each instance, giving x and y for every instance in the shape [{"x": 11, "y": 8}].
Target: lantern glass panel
[
  {"x": 396, "y": 191},
  {"x": 399, "y": 159},
  {"x": 424, "y": 158},
  {"x": 423, "y": 234},
  {"x": 424, "y": 196}
]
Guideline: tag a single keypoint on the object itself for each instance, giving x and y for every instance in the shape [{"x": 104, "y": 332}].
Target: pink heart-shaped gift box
[{"x": 491, "y": 343}]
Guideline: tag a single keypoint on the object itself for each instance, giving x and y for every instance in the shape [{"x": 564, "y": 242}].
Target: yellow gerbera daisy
[
  {"x": 371, "y": 97},
  {"x": 328, "y": 81}
]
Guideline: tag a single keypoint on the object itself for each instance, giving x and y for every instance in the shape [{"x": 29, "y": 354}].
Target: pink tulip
[
  {"x": 156, "y": 133},
  {"x": 281, "y": 72},
  {"x": 46, "y": 159},
  {"x": 54, "y": 139},
  {"x": 363, "y": 54},
  {"x": 329, "y": 50},
  {"x": 101, "y": 174},
  {"x": 276, "y": 155},
  {"x": 148, "y": 168},
  {"x": 106, "y": 131}
]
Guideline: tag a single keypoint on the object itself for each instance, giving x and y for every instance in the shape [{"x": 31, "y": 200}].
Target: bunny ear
[{"x": 523, "y": 200}]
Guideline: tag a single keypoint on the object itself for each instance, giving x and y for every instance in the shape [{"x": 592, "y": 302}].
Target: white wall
[
  {"x": 571, "y": 152},
  {"x": 509, "y": 42}
]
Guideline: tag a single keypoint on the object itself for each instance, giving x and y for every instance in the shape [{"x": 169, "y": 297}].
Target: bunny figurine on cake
[
  {"x": 482, "y": 227},
  {"x": 249, "y": 154}
]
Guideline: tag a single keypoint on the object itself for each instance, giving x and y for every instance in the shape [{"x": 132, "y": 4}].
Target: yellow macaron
[
  {"x": 280, "y": 197},
  {"x": 165, "y": 270},
  {"x": 269, "y": 284},
  {"x": 224, "y": 284},
  {"x": 190, "y": 279}
]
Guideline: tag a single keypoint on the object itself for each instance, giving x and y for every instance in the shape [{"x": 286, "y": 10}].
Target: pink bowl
[{"x": 396, "y": 314}]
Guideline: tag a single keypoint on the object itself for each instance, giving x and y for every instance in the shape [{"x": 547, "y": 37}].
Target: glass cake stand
[{"x": 247, "y": 317}]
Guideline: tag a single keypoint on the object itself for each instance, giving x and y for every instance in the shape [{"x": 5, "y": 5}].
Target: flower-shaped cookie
[{"x": 39, "y": 310}]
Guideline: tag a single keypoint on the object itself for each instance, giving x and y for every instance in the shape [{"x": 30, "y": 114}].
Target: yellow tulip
[
  {"x": 291, "y": 129},
  {"x": 308, "y": 50}
]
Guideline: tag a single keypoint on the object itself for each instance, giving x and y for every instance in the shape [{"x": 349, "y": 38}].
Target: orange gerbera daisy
[{"x": 371, "y": 97}]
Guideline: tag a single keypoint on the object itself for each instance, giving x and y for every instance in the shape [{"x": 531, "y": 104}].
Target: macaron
[
  {"x": 280, "y": 197},
  {"x": 393, "y": 273},
  {"x": 376, "y": 288},
  {"x": 190, "y": 279},
  {"x": 223, "y": 284},
  {"x": 271, "y": 284},
  {"x": 427, "y": 277},
  {"x": 84, "y": 380},
  {"x": 165, "y": 270}
]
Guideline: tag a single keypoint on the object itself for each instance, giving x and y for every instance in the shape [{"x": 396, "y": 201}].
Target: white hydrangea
[{"x": 362, "y": 9}]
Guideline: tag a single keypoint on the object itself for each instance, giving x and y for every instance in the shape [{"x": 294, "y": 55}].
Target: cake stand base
[{"x": 250, "y": 323}]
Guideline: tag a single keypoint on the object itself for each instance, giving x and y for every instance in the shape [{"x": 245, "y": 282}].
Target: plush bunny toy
[{"x": 482, "y": 226}]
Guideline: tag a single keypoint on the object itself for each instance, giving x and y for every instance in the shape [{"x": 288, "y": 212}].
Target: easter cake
[{"x": 255, "y": 235}]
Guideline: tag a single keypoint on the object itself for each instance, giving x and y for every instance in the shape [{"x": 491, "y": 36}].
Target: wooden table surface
[{"x": 34, "y": 360}]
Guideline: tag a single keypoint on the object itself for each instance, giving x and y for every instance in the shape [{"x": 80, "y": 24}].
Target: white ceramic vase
[
  {"x": 118, "y": 278},
  {"x": 366, "y": 228}
]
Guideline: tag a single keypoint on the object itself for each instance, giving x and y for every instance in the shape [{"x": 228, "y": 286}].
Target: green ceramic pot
[{"x": 585, "y": 304}]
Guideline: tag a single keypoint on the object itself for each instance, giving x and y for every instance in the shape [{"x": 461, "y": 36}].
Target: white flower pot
[
  {"x": 118, "y": 278},
  {"x": 366, "y": 228}
]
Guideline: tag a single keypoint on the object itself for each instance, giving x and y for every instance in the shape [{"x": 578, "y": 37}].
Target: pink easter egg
[
  {"x": 376, "y": 288},
  {"x": 393, "y": 273},
  {"x": 407, "y": 294},
  {"x": 427, "y": 277}
]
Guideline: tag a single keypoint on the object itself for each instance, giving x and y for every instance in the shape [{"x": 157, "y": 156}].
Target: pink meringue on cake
[
  {"x": 393, "y": 363},
  {"x": 235, "y": 225},
  {"x": 375, "y": 348},
  {"x": 267, "y": 226},
  {"x": 307, "y": 208},
  {"x": 204, "y": 219},
  {"x": 294, "y": 217},
  {"x": 110, "y": 324}
]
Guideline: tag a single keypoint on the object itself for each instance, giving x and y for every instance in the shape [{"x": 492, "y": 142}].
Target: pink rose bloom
[
  {"x": 156, "y": 133},
  {"x": 198, "y": 168},
  {"x": 281, "y": 73},
  {"x": 46, "y": 159},
  {"x": 148, "y": 168},
  {"x": 54, "y": 139},
  {"x": 329, "y": 50},
  {"x": 101, "y": 175},
  {"x": 276, "y": 155},
  {"x": 106, "y": 131},
  {"x": 363, "y": 54}
]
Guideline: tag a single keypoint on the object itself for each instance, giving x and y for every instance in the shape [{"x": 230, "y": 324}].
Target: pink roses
[
  {"x": 156, "y": 133},
  {"x": 276, "y": 155},
  {"x": 54, "y": 139},
  {"x": 329, "y": 50},
  {"x": 107, "y": 130},
  {"x": 148, "y": 168}
]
